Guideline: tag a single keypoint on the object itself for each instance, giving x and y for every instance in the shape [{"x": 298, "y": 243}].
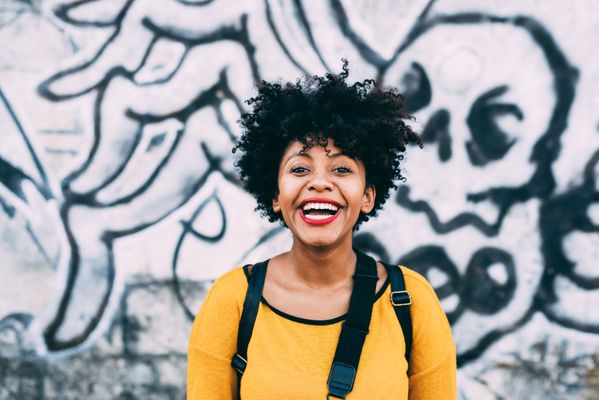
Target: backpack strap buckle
[
  {"x": 239, "y": 363},
  {"x": 341, "y": 380},
  {"x": 400, "y": 298}
]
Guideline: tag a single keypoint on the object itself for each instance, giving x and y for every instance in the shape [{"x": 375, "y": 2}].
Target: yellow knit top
[{"x": 290, "y": 358}]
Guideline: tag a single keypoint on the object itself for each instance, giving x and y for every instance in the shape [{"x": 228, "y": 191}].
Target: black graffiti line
[
  {"x": 194, "y": 3},
  {"x": 188, "y": 228},
  {"x": 101, "y": 91},
  {"x": 305, "y": 24},
  {"x": 89, "y": 197},
  {"x": 220, "y": 118},
  {"x": 170, "y": 74},
  {"x": 582, "y": 281},
  {"x": 204, "y": 99},
  {"x": 224, "y": 33},
  {"x": 568, "y": 322},
  {"x": 275, "y": 32},
  {"x": 44, "y": 88},
  {"x": 11, "y": 177},
  {"x": 62, "y": 12},
  {"x": 109, "y": 237},
  {"x": 145, "y": 185},
  {"x": 39, "y": 246},
  {"x": 367, "y": 52},
  {"x": 490, "y": 338},
  {"x": 263, "y": 239},
  {"x": 52, "y": 328},
  {"x": 189, "y": 225},
  {"x": 237, "y": 34},
  {"x": 54, "y": 325},
  {"x": 368, "y": 243},
  {"x": 43, "y": 186},
  {"x": 228, "y": 93},
  {"x": 190, "y": 192},
  {"x": 565, "y": 75},
  {"x": 364, "y": 48},
  {"x": 570, "y": 208},
  {"x": 459, "y": 221},
  {"x": 131, "y": 74},
  {"x": 542, "y": 183}
]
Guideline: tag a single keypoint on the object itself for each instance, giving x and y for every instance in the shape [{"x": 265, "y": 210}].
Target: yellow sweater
[{"x": 290, "y": 358}]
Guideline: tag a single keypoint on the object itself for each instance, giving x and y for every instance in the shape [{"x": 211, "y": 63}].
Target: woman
[{"x": 321, "y": 156}]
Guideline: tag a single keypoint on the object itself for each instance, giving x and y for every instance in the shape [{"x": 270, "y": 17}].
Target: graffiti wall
[{"x": 120, "y": 204}]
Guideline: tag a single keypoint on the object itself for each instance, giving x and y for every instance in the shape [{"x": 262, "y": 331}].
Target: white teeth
[
  {"x": 317, "y": 216},
  {"x": 320, "y": 206}
]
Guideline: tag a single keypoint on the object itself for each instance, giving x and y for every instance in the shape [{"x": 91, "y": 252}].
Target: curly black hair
[{"x": 365, "y": 122}]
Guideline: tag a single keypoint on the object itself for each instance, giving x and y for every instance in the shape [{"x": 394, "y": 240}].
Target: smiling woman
[
  {"x": 321, "y": 157},
  {"x": 318, "y": 187}
]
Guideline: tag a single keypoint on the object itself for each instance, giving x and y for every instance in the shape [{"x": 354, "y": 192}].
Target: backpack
[{"x": 353, "y": 331}]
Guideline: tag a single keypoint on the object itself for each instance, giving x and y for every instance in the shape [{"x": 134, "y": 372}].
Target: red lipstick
[{"x": 323, "y": 221}]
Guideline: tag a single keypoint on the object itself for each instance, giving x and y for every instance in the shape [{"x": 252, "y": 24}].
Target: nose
[{"x": 320, "y": 182}]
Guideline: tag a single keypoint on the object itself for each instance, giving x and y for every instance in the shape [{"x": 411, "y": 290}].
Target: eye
[
  {"x": 343, "y": 170},
  {"x": 437, "y": 130},
  {"x": 490, "y": 142},
  {"x": 417, "y": 88},
  {"x": 299, "y": 170}
]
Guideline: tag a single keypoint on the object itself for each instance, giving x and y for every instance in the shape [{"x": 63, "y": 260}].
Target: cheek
[{"x": 288, "y": 190}]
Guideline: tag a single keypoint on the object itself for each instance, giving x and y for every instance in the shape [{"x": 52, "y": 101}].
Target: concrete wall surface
[{"x": 119, "y": 204}]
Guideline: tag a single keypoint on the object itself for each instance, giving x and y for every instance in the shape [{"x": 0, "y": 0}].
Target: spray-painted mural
[{"x": 120, "y": 204}]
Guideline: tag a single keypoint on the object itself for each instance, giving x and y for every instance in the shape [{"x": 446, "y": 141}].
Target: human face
[{"x": 320, "y": 195}]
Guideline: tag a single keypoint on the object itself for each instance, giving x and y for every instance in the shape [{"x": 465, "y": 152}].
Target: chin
[{"x": 319, "y": 240}]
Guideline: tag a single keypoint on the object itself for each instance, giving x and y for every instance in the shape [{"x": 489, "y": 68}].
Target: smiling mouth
[{"x": 319, "y": 213}]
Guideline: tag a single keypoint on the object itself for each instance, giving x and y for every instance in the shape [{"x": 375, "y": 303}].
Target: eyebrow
[{"x": 300, "y": 154}]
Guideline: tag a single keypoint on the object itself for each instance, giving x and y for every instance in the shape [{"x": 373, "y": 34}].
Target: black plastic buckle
[
  {"x": 400, "y": 298},
  {"x": 341, "y": 380},
  {"x": 239, "y": 363}
]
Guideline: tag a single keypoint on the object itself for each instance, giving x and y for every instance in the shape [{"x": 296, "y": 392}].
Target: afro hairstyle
[{"x": 366, "y": 123}]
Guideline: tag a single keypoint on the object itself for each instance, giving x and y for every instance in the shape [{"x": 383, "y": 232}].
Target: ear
[
  {"x": 275, "y": 204},
  {"x": 368, "y": 201}
]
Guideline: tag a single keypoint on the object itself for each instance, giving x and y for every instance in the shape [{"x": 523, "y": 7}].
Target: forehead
[{"x": 296, "y": 148}]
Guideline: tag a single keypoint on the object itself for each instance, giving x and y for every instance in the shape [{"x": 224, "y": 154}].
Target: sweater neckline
[{"x": 312, "y": 321}]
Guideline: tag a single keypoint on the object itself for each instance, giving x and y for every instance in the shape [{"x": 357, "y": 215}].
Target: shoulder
[
  {"x": 425, "y": 309},
  {"x": 231, "y": 279},
  {"x": 220, "y": 310},
  {"x": 428, "y": 317},
  {"x": 417, "y": 284},
  {"x": 226, "y": 294},
  {"x": 230, "y": 286}
]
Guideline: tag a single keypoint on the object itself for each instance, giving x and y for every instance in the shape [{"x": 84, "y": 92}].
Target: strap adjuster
[
  {"x": 401, "y": 298},
  {"x": 341, "y": 380},
  {"x": 239, "y": 363}
]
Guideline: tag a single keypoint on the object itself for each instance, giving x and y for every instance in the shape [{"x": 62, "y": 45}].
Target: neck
[{"x": 323, "y": 267}]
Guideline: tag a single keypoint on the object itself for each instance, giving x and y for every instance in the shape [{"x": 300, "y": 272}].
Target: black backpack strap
[
  {"x": 401, "y": 300},
  {"x": 248, "y": 317},
  {"x": 354, "y": 329}
]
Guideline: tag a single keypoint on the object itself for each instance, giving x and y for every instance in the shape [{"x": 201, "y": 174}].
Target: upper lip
[{"x": 320, "y": 200}]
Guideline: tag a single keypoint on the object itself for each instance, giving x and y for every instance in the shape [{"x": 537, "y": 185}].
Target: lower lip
[{"x": 318, "y": 221}]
